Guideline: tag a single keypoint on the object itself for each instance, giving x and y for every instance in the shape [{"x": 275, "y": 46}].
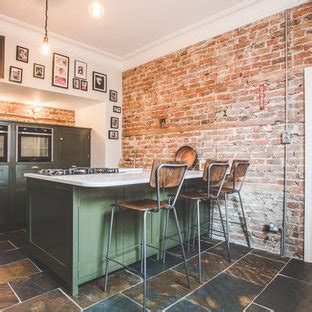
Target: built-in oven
[
  {"x": 34, "y": 144},
  {"x": 4, "y": 130}
]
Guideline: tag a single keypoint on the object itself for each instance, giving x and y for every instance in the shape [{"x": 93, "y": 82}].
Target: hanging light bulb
[
  {"x": 96, "y": 9},
  {"x": 44, "y": 48}
]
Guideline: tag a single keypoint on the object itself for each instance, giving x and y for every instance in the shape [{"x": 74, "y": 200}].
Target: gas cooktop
[{"x": 77, "y": 170}]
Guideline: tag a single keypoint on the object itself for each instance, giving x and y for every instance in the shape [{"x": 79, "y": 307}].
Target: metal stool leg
[
  {"x": 109, "y": 246},
  {"x": 211, "y": 219},
  {"x": 189, "y": 228},
  {"x": 244, "y": 220},
  {"x": 142, "y": 247},
  {"x": 144, "y": 264},
  {"x": 224, "y": 231},
  {"x": 227, "y": 224},
  {"x": 198, "y": 240},
  {"x": 195, "y": 227},
  {"x": 165, "y": 235},
  {"x": 182, "y": 247}
]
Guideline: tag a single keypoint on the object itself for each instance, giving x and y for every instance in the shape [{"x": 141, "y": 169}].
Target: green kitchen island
[{"x": 68, "y": 221}]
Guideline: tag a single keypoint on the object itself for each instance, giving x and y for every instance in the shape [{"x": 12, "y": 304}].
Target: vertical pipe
[{"x": 286, "y": 145}]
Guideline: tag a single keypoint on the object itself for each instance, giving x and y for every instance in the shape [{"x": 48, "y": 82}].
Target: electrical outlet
[{"x": 286, "y": 137}]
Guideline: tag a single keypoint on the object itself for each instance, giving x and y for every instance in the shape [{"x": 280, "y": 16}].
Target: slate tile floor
[{"x": 255, "y": 281}]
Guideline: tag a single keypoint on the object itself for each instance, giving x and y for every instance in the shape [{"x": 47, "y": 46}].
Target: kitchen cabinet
[
  {"x": 72, "y": 147},
  {"x": 19, "y": 191},
  {"x": 4, "y": 194}
]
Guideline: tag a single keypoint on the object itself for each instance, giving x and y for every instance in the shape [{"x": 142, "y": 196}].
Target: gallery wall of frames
[{"x": 61, "y": 72}]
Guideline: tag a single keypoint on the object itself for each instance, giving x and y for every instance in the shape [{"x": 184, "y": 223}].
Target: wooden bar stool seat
[
  {"x": 194, "y": 195},
  {"x": 143, "y": 204}
]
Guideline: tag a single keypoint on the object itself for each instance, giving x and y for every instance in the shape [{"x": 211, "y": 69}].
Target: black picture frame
[
  {"x": 2, "y": 50},
  {"x": 19, "y": 57},
  {"x": 36, "y": 73},
  {"x": 76, "y": 84},
  {"x": 114, "y": 122},
  {"x": 84, "y": 85},
  {"x": 12, "y": 79},
  {"x": 113, "y": 135},
  {"x": 54, "y": 63},
  {"x": 116, "y": 109},
  {"x": 113, "y": 96},
  {"x": 84, "y": 75},
  {"x": 96, "y": 86}
]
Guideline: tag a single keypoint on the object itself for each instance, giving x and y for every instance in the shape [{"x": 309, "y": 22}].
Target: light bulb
[
  {"x": 96, "y": 9},
  {"x": 45, "y": 48}
]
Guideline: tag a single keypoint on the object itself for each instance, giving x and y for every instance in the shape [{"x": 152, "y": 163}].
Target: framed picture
[
  {"x": 38, "y": 71},
  {"x": 16, "y": 74},
  {"x": 60, "y": 71},
  {"x": 22, "y": 54},
  {"x": 114, "y": 122},
  {"x": 113, "y": 135},
  {"x": 80, "y": 70},
  {"x": 99, "y": 82},
  {"x": 76, "y": 83},
  {"x": 84, "y": 85},
  {"x": 113, "y": 95},
  {"x": 116, "y": 109},
  {"x": 2, "y": 49}
]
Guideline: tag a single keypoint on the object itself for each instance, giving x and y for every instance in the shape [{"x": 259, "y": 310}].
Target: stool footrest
[{"x": 126, "y": 266}]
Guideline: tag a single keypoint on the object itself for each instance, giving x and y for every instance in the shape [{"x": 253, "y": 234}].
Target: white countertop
[{"x": 124, "y": 177}]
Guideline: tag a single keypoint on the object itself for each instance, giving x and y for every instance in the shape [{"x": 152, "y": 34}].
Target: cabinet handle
[
  {"x": 61, "y": 139},
  {"x": 34, "y": 167}
]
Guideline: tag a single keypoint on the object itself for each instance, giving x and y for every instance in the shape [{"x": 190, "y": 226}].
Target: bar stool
[
  {"x": 163, "y": 176},
  {"x": 233, "y": 185},
  {"x": 214, "y": 174}
]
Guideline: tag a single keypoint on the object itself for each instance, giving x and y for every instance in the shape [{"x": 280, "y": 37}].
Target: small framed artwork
[
  {"x": 38, "y": 71},
  {"x": 114, "y": 122},
  {"x": 60, "y": 71},
  {"x": 16, "y": 74},
  {"x": 80, "y": 70},
  {"x": 76, "y": 83},
  {"x": 84, "y": 85},
  {"x": 116, "y": 109},
  {"x": 22, "y": 54},
  {"x": 113, "y": 135},
  {"x": 99, "y": 82},
  {"x": 2, "y": 47},
  {"x": 113, "y": 95}
]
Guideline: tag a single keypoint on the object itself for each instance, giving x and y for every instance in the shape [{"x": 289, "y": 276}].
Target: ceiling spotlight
[{"x": 96, "y": 9}]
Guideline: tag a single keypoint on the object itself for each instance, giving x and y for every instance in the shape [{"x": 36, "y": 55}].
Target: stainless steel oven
[
  {"x": 4, "y": 130},
  {"x": 34, "y": 144}
]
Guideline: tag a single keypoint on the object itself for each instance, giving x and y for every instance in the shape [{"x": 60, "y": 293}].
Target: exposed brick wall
[
  {"x": 30, "y": 113},
  {"x": 209, "y": 93}
]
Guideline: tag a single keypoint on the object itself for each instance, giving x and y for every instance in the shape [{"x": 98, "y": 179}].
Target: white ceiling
[{"x": 126, "y": 27}]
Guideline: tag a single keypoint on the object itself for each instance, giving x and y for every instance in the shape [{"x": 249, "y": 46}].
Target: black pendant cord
[{"x": 46, "y": 20}]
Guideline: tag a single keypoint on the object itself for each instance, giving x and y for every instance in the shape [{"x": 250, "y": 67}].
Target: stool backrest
[
  {"x": 214, "y": 174},
  {"x": 238, "y": 173},
  {"x": 166, "y": 174}
]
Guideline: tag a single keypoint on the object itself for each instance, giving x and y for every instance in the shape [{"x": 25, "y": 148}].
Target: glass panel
[
  {"x": 34, "y": 146},
  {"x": 2, "y": 147}
]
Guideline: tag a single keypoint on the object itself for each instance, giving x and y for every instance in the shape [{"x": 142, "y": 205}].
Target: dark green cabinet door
[
  {"x": 20, "y": 189},
  {"x": 4, "y": 195},
  {"x": 72, "y": 147}
]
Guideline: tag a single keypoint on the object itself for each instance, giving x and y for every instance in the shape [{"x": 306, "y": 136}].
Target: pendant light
[
  {"x": 44, "y": 48},
  {"x": 96, "y": 9}
]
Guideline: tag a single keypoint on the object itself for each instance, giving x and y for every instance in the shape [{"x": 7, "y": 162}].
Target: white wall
[{"x": 96, "y": 111}]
